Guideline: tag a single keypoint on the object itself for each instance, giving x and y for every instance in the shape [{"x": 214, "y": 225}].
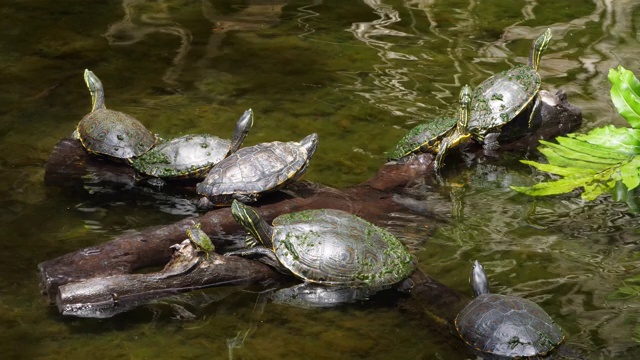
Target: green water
[{"x": 359, "y": 73}]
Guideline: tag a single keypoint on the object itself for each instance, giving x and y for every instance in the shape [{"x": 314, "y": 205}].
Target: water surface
[{"x": 360, "y": 74}]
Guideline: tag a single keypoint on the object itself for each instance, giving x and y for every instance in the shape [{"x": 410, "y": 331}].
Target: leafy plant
[{"x": 600, "y": 160}]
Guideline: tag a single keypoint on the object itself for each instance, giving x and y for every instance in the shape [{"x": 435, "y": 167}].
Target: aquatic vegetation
[{"x": 602, "y": 161}]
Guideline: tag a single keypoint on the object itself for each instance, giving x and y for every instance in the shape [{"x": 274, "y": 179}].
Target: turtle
[
  {"x": 437, "y": 135},
  {"x": 199, "y": 240},
  {"x": 327, "y": 247},
  {"x": 108, "y": 132},
  {"x": 252, "y": 170},
  {"x": 498, "y": 103},
  {"x": 191, "y": 156},
  {"x": 505, "y": 325}
]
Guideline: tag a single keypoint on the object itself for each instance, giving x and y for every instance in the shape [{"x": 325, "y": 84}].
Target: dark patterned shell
[
  {"x": 253, "y": 170},
  {"x": 500, "y": 98},
  {"x": 189, "y": 156},
  {"x": 112, "y": 133},
  {"x": 425, "y": 137},
  {"x": 507, "y": 326},
  {"x": 333, "y": 247}
]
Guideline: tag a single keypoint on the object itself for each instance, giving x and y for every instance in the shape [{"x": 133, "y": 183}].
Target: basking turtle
[
  {"x": 191, "y": 156},
  {"x": 250, "y": 171},
  {"x": 498, "y": 103},
  {"x": 505, "y": 325},
  {"x": 437, "y": 135},
  {"x": 108, "y": 132},
  {"x": 199, "y": 239},
  {"x": 329, "y": 247}
]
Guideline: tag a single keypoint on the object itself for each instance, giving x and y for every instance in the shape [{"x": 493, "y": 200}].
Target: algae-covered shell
[
  {"x": 109, "y": 132},
  {"x": 333, "y": 247},
  {"x": 192, "y": 156}
]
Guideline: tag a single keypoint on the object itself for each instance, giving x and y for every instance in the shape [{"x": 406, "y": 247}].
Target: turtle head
[
  {"x": 465, "y": 106},
  {"x": 95, "y": 88},
  {"x": 255, "y": 225},
  {"x": 243, "y": 126},
  {"x": 478, "y": 280},
  {"x": 538, "y": 47},
  {"x": 310, "y": 144}
]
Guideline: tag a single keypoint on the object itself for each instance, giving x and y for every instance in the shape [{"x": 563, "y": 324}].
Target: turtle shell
[
  {"x": 115, "y": 134},
  {"x": 501, "y": 98},
  {"x": 333, "y": 247},
  {"x": 253, "y": 170},
  {"x": 425, "y": 137},
  {"x": 189, "y": 156},
  {"x": 507, "y": 325}
]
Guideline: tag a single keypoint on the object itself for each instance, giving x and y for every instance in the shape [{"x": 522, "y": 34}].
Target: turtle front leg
[
  {"x": 263, "y": 255},
  {"x": 535, "y": 118},
  {"x": 438, "y": 163}
]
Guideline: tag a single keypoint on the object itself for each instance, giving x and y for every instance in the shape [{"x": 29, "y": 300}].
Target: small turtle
[
  {"x": 199, "y": 239},
  {"x": 325, "y": 246},
  {"x": 108, "y": 132},
  {"x": 498, "y": 104},
  {"x": 191, "y": 156},
  {"x": 253, "y": 170},
  {"x": 505, "y": 325},
  {"x": 437, "y": 135}
]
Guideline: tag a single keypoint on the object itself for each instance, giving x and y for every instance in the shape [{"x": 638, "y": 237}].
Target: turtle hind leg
[{"x": 491, "y": 142}]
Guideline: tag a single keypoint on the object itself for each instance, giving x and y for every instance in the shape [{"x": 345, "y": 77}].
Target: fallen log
[
  {"x": 99, "y": 281},
  {"x": 106, "y": 296},
  {"x": 371, "y": 200}
]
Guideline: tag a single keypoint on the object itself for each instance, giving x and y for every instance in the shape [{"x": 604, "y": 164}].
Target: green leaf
[
  {"x": 630, "y": 173},
  {"x": 605, "y": 160},
  {"x": 594, "y": 150},
  {"x": 577, "y": 155},
  {"x": 625, "y": 140},
  {"x": 561, "y": 170},
  {"x": 557, "y": 187},
  {"x": 625, "y": 94}
]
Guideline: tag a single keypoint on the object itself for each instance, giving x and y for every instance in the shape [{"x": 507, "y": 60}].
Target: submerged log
[{"x": 371, "y": 200}]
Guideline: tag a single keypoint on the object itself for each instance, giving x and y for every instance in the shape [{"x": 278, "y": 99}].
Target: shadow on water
[{"x": 359, "y": 73}]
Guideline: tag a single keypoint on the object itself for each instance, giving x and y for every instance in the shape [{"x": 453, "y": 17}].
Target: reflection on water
[{"x": 359, "y": 74}]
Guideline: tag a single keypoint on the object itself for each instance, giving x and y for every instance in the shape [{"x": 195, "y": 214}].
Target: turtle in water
[
  {"x": 438, "y": 135},
  {"x": 505, "y": 325},
  {"x": 108, "y": 132},
  {"x": 253, "y": 170},
  {"x": 498, "y": 103},
  {"x": 191, "y": 156},
  {"x": 328, "y": 247},
  {"x": 199, "y": 239}
]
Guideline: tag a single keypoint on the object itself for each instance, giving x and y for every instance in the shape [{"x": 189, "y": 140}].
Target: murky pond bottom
[{"x": 360, "y": 74}]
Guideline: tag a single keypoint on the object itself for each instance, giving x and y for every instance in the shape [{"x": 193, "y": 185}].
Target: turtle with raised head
[
  {"x": 249, "y": 172},
  {"x": 191, "y": 156},
  {"x": 326, "y": 246},
  {"x": 506, "y": 105},
  {"x": 505, "y": 325},
  {"x": 437, "y": 135},
  {"x": 200, "y": 240},
  {"x": 108, "y": 132}
]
